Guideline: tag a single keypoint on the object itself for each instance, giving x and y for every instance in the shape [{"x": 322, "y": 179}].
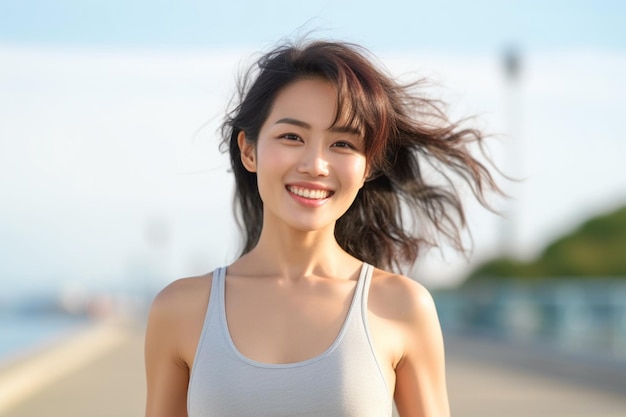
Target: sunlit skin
[{"x": 287, "y": 298}]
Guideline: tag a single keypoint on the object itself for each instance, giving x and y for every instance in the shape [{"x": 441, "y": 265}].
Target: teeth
[{"x": 311, "y": 194}]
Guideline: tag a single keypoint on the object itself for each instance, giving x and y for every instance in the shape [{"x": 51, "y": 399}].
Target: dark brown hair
[{"x": 404, "y": 133}]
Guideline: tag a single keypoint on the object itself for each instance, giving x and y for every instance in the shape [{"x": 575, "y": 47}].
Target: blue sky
[
  {"x": 395, "y": 24},
  {"x": 108, "y": 113}
]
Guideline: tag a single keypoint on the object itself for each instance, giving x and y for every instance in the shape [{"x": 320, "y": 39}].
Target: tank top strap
[
  {"x": 363, "y": 286},
  {"x": 219, "y": 276},
  {"x": 216, "y": 299}
]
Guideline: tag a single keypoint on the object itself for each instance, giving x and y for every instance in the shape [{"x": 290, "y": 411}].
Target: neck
[{"x": 294, "y": 254}]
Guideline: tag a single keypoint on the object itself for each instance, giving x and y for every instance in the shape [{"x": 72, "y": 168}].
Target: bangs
[
  {"x": 349, "y": 117},
  {"x": 363, "y": 106}
]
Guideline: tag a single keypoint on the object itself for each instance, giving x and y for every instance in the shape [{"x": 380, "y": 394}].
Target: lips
[{"x": 312, "y": 194}]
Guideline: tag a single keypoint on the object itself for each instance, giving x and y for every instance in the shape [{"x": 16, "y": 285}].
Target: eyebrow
[{"x": 305, "y": 125}]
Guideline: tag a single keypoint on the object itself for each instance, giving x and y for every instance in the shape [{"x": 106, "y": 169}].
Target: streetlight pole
[{"x": 512, "y": 65}]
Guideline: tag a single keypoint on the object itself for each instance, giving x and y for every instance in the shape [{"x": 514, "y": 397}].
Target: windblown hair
[{"x": 404, "y": 133}]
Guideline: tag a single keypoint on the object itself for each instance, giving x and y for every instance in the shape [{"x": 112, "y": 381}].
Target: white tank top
[{"x": 344, "y": 381}]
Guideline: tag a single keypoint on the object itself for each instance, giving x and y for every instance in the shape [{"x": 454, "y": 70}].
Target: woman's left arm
[{"x": 420, "y": 374}]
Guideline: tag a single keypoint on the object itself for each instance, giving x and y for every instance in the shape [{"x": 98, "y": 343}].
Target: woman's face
[{"x": 308, "y": 171}]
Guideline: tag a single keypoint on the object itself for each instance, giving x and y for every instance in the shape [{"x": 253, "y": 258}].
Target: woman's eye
[
  {"x": 290, "y": 136},
  {"x": 342, "y": 144}
]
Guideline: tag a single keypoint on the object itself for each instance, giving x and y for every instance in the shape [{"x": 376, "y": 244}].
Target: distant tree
[{"x": 595, "y": 249}]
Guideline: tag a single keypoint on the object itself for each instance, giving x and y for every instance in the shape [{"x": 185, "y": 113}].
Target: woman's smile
[
  {"x": 309, "y": 197},
  {"x": 313, "y": 194}
]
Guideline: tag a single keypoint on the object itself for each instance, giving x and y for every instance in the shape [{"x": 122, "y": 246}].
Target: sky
[{"x": 110, "y": 175}]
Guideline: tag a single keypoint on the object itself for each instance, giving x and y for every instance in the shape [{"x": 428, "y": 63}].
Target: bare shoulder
[
  {"x": 179, "y": 291},
  {"x": 177, "y": 315},
  {"x": 400, "y": 298},
  {"x": 182, "y": 296}
]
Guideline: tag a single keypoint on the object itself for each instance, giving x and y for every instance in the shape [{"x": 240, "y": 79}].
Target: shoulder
[
  {"x": 418, "y": 351},
  {"x": 177, "y": 315},
  {"x": 400, "y": 298},
  {"x": 181, "y": 295}
]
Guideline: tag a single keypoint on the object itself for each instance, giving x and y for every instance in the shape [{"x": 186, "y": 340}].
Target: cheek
[
  {"x": 269, "y": 159},
  {"x": 271, "y": 166},
  {"x": 356, "y": 169},
  {"x": 351, "y": 174}
]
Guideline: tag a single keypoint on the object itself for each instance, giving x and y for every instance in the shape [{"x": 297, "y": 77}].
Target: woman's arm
[
  {"x": 172, "y": 324},
  {"x": 420, "y": 373}
]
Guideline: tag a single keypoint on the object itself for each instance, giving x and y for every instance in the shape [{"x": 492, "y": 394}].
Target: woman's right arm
[{"x": 167, "y": 371}]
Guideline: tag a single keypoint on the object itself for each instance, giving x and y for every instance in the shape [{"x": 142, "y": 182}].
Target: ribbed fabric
[{"x": 344, "y": 381}]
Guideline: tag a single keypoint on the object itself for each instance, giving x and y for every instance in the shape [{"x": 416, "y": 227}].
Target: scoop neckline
[{"x": 326, "y": 352}]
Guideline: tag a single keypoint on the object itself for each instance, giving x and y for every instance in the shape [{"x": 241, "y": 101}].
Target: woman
[{"x": 327, "y": 152}]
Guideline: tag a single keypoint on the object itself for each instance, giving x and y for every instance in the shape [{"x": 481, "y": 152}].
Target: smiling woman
[{"x": 327, "y": 152}]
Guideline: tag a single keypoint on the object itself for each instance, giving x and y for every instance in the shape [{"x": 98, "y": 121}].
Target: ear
[{"x": 248, "y": 152}]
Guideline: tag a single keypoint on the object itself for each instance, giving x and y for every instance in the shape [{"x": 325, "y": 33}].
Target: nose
[{"x": 313, "y": 162}]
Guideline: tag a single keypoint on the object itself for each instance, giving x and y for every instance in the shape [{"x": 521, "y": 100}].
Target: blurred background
[{"x": 112, "y": 185}]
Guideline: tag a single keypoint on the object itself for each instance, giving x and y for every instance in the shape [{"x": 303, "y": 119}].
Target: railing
[{"x": 586, "y": 316}]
